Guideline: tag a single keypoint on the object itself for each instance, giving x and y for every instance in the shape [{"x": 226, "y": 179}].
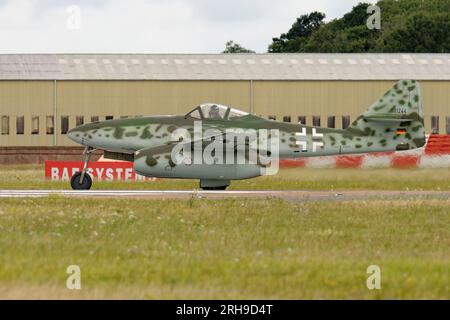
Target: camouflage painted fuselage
[{"x": 393, "y": 123}]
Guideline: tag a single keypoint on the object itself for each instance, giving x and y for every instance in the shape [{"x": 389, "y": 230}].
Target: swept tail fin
[{"x": 395, "y": 121}]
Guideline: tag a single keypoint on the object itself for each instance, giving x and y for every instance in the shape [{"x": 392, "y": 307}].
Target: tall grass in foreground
[{"x": 239, "y": 248}]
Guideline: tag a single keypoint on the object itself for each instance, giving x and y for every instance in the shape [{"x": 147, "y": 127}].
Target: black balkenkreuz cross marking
[
  {"x": 303, "y": 143},
  {"x": 303, "y": 140}
]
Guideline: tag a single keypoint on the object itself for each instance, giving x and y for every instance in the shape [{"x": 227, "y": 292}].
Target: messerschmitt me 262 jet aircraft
[{"x": 178, "y": 146}]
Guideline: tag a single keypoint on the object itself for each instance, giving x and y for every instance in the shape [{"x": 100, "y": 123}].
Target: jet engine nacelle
[{"x": 165, "y": 168}]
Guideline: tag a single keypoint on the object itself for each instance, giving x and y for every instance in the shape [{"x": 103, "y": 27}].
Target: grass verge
[
  {"x": 236, "y": 248},
  {"x": 32, "y": 177}
]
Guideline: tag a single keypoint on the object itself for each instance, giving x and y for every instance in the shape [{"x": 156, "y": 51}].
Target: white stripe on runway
[
  {"x": 186, "y": 194},
  {"x": 127, "y": 193}
]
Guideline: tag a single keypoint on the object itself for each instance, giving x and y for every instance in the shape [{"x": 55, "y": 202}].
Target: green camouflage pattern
[{"x": 392, "y": 123}]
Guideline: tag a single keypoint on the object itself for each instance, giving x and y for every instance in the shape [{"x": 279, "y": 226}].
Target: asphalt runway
[{"x": 291, "y": 195}]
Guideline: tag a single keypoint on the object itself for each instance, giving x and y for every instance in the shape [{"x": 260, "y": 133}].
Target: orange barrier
[
  {"x": 436, "y": 153},
  {"x": 438, "y": 144}
]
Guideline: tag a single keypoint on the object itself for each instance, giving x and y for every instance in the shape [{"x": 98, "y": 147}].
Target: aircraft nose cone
[{"x": 74, "y": 135}]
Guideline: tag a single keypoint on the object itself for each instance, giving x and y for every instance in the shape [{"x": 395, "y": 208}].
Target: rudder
[{"x": 395, "y": 121}]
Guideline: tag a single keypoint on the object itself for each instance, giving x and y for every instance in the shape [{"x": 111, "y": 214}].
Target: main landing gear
[
  {"x": 214, "y": 188},
  {"x": 209, "y": 185},
  {"x": 82, "y": 180}
]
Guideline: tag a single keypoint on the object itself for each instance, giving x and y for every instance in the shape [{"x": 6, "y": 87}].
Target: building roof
[{"x": 224, "y": 66}]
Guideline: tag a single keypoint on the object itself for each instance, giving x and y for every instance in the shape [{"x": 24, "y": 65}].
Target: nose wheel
[
  {"x": 82, "y": 180},
  {"x": 81, "y": 184}
]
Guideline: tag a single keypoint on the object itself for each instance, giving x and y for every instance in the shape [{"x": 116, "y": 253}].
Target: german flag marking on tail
[{"x": 400, "y": 132}]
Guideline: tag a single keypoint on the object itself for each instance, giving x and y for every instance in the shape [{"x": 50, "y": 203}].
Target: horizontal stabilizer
[{"x": 386, "y": 119}]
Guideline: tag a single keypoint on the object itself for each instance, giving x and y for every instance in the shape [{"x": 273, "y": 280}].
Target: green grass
[
  {"x": 235, "y": 248},
  {"x": 232, "y": 248},
  {"x": 32, "y": 177}
]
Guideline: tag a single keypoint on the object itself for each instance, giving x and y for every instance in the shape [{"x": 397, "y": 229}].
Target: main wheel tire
[{"x": 75, "y": 182}]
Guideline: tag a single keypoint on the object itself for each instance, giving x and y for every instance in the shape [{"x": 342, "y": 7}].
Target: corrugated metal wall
[
  {"x": 147, "y": 97},
  {"x": 28, "y": 99},
  {"x": 338, "y": 98},
  {"x": 131, "y": 98}
]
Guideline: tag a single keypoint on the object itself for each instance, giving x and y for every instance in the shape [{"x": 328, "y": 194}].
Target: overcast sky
[{"x": 150, "y": 26}]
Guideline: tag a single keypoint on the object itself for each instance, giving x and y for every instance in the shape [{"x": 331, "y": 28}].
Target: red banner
[{"x": 102, "y": 171}]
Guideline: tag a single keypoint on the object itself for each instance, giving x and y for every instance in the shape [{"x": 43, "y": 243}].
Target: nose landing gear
[{"x": 82, "y": 180}]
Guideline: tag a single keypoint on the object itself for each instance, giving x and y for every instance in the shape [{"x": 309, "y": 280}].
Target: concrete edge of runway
[{"x": 296, "y": 195}]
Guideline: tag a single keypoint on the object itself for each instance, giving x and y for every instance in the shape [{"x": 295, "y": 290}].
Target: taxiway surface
[{"x": 296, "y": 195}]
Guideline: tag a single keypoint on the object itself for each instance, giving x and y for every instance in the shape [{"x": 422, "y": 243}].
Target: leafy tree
[
  {"x": 300, "y": 31},
  {"x": 406, "y": 26},
  {"x": 422, "y": 33},
  {"x": 357, "y": 17},
  {"x": 233, "y": 47}
]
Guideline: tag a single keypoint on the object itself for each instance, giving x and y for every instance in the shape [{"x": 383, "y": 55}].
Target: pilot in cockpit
[{"x": 214, "y": 112}]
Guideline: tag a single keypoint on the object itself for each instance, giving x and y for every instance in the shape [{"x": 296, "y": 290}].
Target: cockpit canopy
[{"x": 215, "y": 111}]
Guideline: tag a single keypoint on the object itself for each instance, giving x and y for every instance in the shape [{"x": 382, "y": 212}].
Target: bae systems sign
[{"x": 102, "y": 171}]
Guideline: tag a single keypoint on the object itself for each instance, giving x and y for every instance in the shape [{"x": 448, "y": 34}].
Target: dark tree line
[{"x": 406, "y": 26}]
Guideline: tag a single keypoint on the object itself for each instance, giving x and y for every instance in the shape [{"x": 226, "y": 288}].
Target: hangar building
[{"x": 42, "y": 96}]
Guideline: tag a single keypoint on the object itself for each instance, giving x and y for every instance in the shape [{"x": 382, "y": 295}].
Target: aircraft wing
[{"x": 242, "y": 142}]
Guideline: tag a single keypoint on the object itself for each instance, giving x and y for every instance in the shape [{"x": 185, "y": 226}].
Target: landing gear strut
[{"x": 82, "y": 180}]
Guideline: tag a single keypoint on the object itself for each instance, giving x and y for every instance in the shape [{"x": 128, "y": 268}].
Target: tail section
[{"x": 395, "y": 121}]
